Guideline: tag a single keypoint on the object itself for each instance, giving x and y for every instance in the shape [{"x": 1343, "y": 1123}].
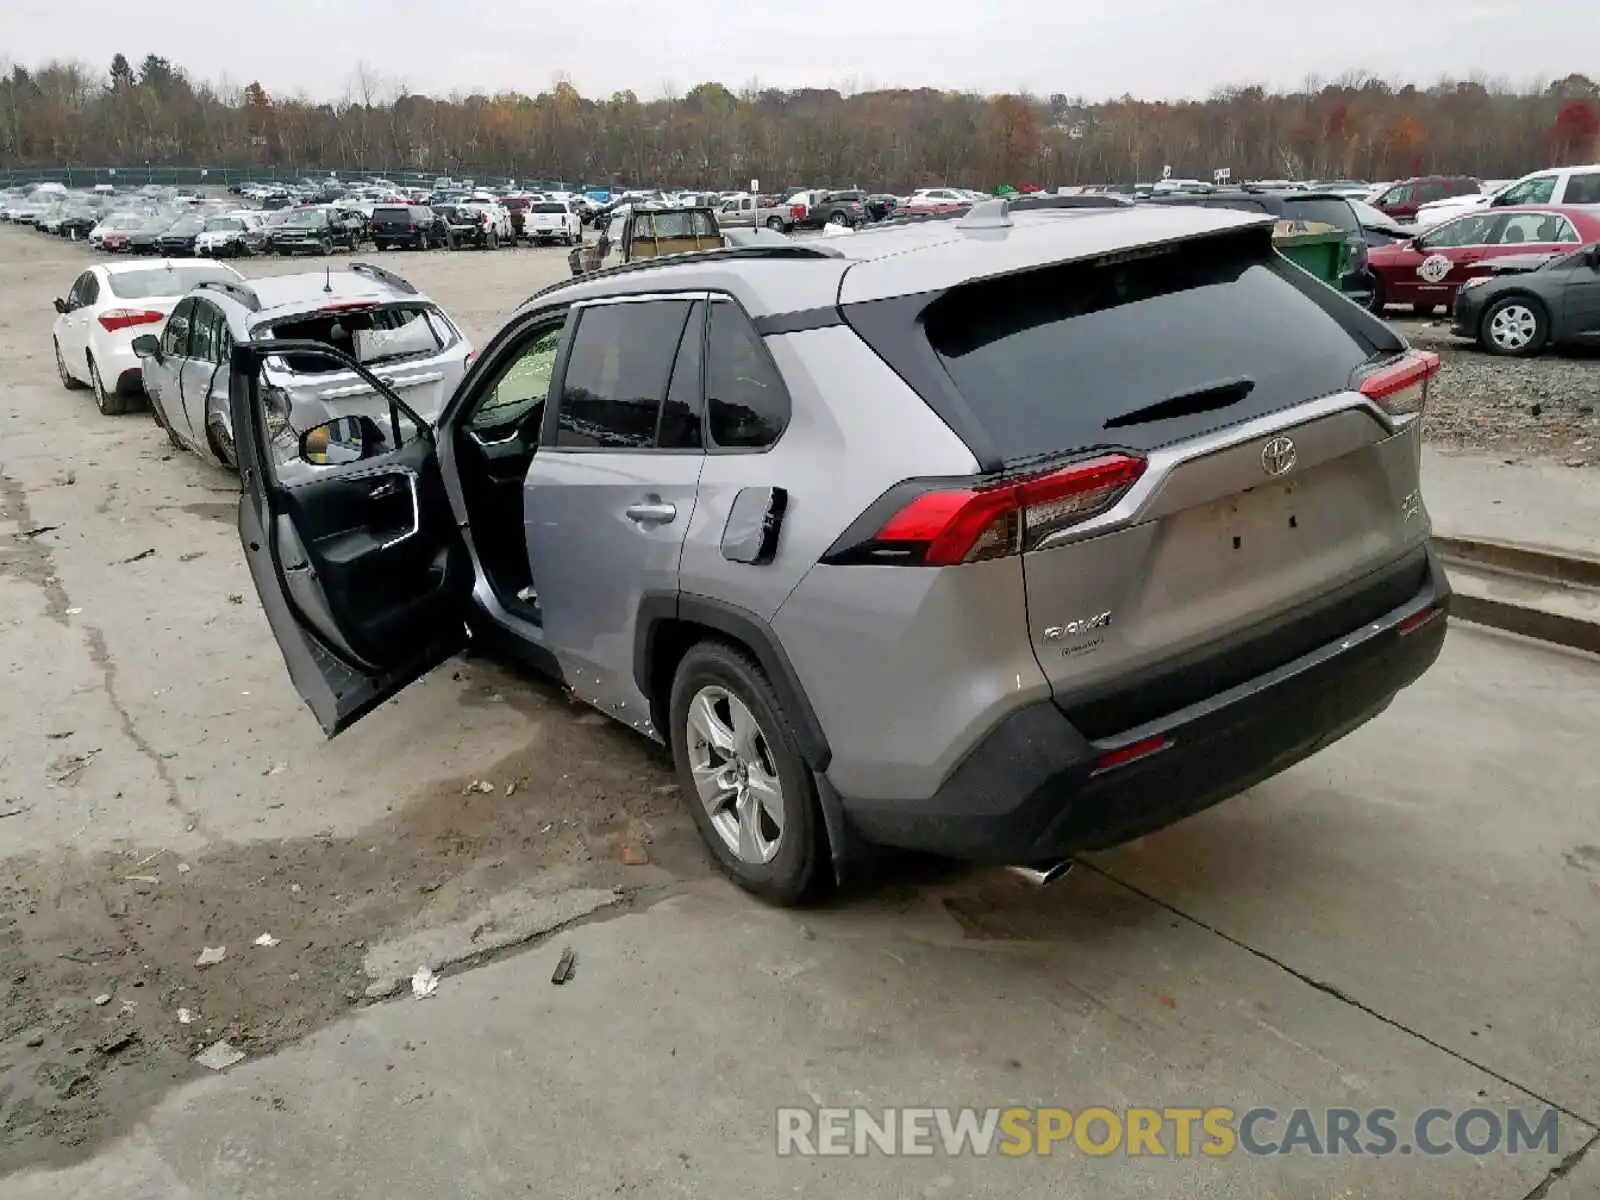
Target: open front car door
[{"x": 349, "y": 535}]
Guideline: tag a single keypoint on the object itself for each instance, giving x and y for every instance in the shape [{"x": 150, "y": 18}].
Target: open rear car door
[{"x": 350, "y": 537}]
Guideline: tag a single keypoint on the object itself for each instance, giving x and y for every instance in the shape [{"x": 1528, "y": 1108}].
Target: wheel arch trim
[{"x": 756, "y": 635}]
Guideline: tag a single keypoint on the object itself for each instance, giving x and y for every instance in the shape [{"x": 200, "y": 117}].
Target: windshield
[
  {"x": 369, "y": 335},
  {"x": 1330, "y": 211},
  {"x": 223, "y": 224},
  {"x": 187, "y": 225},
  {"x": 306, "y": 218},
  {"x": 161, "y": 282}
]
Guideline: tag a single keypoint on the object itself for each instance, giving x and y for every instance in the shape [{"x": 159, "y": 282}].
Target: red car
[{"x": 1427, "y": 271}]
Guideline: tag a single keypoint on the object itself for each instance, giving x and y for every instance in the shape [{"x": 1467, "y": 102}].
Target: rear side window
[
  {"x": 1140, "y": 353},
  {"x": 747, "y": 406},
  {"x": 1584, "y": 189},
  {"x": 617, "y": 374}
]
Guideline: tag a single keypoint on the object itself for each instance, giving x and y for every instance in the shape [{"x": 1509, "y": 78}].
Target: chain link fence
[{"x": 200, "y": 177}]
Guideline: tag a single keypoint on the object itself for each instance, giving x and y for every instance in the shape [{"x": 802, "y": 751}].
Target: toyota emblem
[{"x": 1277, "y": 456}]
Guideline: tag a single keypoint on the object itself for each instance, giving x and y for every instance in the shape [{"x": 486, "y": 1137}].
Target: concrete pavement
[
  {"x": 1404, "y": 921},
  {"x": 1539, "y": 502}
]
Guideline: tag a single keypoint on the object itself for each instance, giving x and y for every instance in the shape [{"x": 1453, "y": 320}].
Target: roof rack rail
[
  {"x": 761, "y": 249},
  {"x": 244, "y": 294},
  {"x": 398, "y": 282}
]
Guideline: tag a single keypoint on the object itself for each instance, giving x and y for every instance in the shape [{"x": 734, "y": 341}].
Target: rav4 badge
[{"x": 1056, "y": 633}]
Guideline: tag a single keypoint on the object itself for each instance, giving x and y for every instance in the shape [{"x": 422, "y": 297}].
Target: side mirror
[
  {"x": 1416, "y": 244},
  {"x": 343, "y": 440},
  {"x": 62, "y": 306},
  {"x": 147, "y": 345}
]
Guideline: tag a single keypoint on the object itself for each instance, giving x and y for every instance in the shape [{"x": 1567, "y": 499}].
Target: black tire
[
  {"x": 110, "y": 404},
  {"x": 838, "y": 219},
  {"x": 1375, "y": 305},
  {"x": 492, "y": 242},
  {"x": 1536, "y": 340},
  {"x": 67, "y": 381},
  {"x": 775, "y": 223},
  {"x": 326, "y": 246},
  {"x": 221, "y": 445},
  {"x": 790, "y": 875}
]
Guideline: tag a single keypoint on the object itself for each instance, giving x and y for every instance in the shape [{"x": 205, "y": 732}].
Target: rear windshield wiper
[{"x": 1186, "y": 404}]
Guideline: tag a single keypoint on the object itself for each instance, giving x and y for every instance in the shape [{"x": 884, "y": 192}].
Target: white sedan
[{"x": 107, "y": 307}]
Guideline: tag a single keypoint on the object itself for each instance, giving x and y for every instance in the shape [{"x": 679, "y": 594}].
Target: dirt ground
[{"x": 164, "y": 791}]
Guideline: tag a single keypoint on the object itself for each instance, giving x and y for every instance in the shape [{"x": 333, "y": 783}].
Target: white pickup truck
[
  {"x": 547, "y": 221},
  {"x": 750, "y": 213}
]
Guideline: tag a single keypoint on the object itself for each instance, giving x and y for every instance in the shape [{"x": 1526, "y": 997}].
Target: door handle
[
  {"x": 651, "y": 512},
  {"x": 383, "y": 490}
]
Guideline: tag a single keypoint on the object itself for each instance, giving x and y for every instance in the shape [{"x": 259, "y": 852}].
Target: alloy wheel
[
  {"x": 1513, "y": 327},
  {"x": 735, "y": 774}
]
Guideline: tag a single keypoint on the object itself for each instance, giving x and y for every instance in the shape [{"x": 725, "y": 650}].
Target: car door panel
[
  {"x": 360, "y": 567},
  {"x": 606, "y": 511},
  {"x": 1581, "y": 302}
]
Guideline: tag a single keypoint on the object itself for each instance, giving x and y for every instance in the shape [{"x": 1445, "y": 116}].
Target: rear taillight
[
  {"x": 947, "y": 526},
  {"x": 114, "y": 319},
  {"x": 1401, "y": 388},
  {"x": 798, "y": 211},
  {"x": 472, "y": 357}
]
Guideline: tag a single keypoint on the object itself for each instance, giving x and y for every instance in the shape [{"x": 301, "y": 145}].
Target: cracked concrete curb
[
  {"x": 1533, "y": 591},
  {"x": 509, "y": 919}
]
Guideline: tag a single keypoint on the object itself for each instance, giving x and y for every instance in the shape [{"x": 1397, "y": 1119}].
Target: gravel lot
[{"x": 1523, "y": 408}]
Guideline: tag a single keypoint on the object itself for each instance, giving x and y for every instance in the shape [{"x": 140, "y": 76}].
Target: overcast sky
[{"x": 1096, "y": 48}]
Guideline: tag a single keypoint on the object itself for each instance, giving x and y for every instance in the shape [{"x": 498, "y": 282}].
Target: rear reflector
[
  {"x": 946, "y": 526},
  {"x": 1418, "y": 619},
  {"x": 1402, "y": 387},
  {"x": 1124, "y": 755},
  {"x": 114, "y": 319}
]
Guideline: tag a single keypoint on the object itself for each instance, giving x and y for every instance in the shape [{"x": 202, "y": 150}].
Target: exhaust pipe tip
[{"x": 1045, "y": 873}]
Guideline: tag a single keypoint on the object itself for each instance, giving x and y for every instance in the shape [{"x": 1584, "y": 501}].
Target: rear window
[
  {"x": 160, "y": 282},
  {"x": 547, "y": 208},
  {"x": 370, "y": 335},
  {"x": 1082, "y": 355},
  {"x": 1324, "y": 211}
]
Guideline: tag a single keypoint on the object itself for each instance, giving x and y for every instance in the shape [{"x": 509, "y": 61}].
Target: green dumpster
[{"x": 1322, "y": 250}]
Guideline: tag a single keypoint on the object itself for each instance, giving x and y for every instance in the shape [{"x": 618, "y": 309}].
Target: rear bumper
[{"x": 1031, "y": 790}]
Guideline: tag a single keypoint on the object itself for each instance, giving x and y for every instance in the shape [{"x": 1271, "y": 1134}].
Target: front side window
[
  {"x": 747, "y": 406},
  {"x": 523, "y": 385},
  {"x": 1399, "y": 195},
  {"x": 617, "y": 374},
  {"x": 175, "y": 337},
  {"x": 1530, "y": 191},
  {"x": 1469, "y": 231}
]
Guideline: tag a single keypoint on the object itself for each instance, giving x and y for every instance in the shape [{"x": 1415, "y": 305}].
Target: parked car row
[{"x": 162, "y": 331}]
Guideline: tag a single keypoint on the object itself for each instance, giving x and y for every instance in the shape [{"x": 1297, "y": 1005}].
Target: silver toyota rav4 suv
[{"x": 1005, "y": 538}]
